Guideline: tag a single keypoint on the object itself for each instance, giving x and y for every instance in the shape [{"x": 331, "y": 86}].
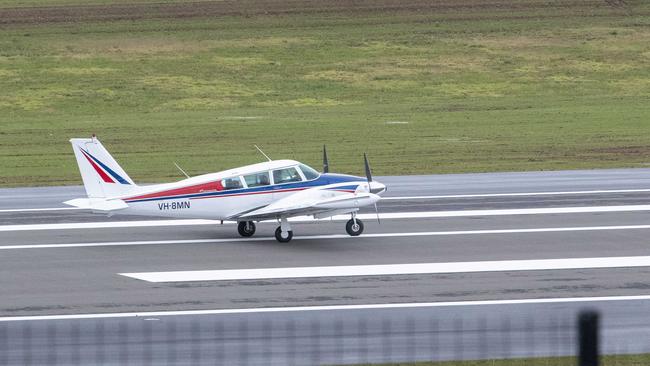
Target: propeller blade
[
  {"x": 326, "y": 163},
  {"x": 377, "y": 212},
  {"x": 368, "y": 172}
]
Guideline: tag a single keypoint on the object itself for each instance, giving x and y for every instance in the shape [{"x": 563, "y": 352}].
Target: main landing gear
[
  {"x": 246, "y": 228},
  {"x": 283, "y": 233},
  {"x": 354, "y": 226}
]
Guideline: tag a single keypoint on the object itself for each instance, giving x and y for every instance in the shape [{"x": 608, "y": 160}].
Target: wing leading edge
[{"x": 320, "y": 203}]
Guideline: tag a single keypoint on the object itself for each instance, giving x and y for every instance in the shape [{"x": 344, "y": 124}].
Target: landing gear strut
[
  {"x": 354, "y": 227},
  {"x": 246, "y": 228},
  {"x": 283, "y": 233}
]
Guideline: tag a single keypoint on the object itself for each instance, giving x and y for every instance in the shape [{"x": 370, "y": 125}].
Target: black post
[{"x": 588, "y": 338}]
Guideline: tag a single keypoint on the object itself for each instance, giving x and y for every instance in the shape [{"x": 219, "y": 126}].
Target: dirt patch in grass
[
  {"x": 124, "y": 46},
  {"x": 643, "y": 150},
  {"x": 138, "y": 11}
]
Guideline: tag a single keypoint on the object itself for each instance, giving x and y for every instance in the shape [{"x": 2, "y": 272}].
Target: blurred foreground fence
[{"x": 298, "y": 338}]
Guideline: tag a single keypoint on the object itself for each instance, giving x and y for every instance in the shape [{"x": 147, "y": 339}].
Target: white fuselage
[{"x": 210, "y": 197}]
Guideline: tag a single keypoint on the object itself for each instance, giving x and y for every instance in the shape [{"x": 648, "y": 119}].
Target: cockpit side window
[
  {"x": 257, "y": 179},
  {"x": 309, "y": 172},
  {"x": 286, "y": 175},
  {"x": 231, "y": 183}
]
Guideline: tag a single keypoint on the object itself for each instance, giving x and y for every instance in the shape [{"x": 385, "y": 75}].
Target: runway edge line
[
  {"x": 384, "y": 216},
  {"x": 326, "y": 237},
  {"x": 327, "y": 308}
]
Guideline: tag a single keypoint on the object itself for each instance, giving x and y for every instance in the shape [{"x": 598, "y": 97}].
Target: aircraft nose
[{"x": 377, "y": 188}]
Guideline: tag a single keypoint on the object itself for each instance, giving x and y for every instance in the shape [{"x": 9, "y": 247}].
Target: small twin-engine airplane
[{"x": 273, "y": 190}]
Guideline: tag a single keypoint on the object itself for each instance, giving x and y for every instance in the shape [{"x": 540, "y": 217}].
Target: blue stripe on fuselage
[{"x": 322, "y": 180}]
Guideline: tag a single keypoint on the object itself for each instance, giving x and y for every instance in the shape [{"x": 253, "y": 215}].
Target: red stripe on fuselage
[
  {"x": 198, "y": 188},
  {"x": 99, "y": 170}
]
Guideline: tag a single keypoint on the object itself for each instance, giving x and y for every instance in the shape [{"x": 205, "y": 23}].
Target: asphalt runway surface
[{"x": 58, "y": 271}]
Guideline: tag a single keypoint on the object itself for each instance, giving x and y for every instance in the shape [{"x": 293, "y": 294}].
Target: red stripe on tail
[{"x": 99, "y": 171}]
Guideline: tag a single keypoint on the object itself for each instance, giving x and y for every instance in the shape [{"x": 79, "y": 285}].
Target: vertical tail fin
[{"x": 102, "y": 175}]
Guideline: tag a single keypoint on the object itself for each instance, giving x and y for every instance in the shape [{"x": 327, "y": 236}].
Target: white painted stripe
[
  {"x": 325, "y": 237},
  {"x": 40, "y": 209},
  {"x": 369, "y": 216},
  {"x": 144, "y": 315},
  {"x": 485, "y": 195},
  {"x": 107, "y": 225},
  {"x": 392, "y": 269}
]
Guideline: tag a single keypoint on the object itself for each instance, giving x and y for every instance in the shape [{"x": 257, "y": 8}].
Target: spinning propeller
[
  {"x": 369, "y": 178},
  {"x": 326, "y": 169},
  {"x": 326, "y": 164}
]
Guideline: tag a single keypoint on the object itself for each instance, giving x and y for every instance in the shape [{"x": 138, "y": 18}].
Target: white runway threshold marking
[
  {"x": 325, "y": 237},
  {"x": 150, "y": 314},
  {"x": 392, "y": 269},
  {"x": 369, "y": 216}
]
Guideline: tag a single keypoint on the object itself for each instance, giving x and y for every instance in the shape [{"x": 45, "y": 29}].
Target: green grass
[
  {"x": 540, "y": 88},
  {"x": 615, "y": 360}
]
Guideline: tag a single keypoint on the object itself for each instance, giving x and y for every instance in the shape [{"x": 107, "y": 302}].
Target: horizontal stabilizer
[{"x": 97, "y": 204}]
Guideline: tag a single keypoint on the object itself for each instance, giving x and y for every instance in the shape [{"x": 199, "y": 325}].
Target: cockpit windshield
[{"x": 309, "y": 172}]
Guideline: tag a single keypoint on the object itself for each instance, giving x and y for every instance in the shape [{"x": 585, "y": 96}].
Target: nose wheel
[
  {"x": 246, "y": 228},
  {"x": 354, "y": 227}
]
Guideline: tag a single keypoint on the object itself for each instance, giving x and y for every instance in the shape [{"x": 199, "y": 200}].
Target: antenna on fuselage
[
  {"x": 181, "y": 169},
  {"x": 262, "y": 152}
]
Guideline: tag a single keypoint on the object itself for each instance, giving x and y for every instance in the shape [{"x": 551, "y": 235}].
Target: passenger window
[
  {"x": 231, "y": 183},
  {"x": 308, "y": 172},
  {"x": 257, "y": 179},
  {"x": 286, "y": 175}
]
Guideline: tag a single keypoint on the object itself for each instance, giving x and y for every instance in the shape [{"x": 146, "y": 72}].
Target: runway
[{"x": 50, "y": 269}]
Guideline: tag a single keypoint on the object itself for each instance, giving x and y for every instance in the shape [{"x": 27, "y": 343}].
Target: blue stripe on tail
[{"x": 109, "y": 170}]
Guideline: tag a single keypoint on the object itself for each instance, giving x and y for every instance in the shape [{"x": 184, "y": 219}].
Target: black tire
[
  {"x": 241, "y": 227},
  {"x": 278, "y": 235},
  {"x": 352, "y": 230}
]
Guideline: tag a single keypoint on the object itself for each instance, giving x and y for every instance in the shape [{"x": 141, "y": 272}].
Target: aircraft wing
[{"x": 320, "y": 203}]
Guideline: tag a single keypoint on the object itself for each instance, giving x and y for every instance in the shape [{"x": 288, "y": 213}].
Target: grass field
[
  {"x": 618, "y": 360},
  {"x": 422, "y": 86}
]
